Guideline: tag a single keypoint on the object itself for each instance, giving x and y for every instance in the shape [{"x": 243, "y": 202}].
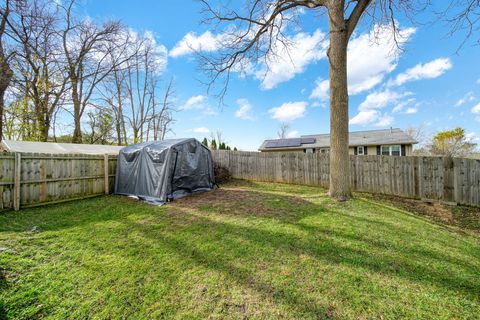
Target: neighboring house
[
  {"x": 57, "y": 148},
  {"x": 393, "y": 142}
]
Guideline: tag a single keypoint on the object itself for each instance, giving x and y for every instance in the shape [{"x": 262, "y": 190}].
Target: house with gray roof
[{"x": 393, "y": 141}]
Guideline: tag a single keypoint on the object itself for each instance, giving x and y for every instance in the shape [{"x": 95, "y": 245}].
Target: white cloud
[
  {"x": 199, "y": 102},
  {"x": 365, "y": 117},
  {"x": 289, "y": 111},
  {"x": 293, "y": 134},
  {"x": 375, "y": 117},
  {"x": 373, "y": 55},
  {"x": 209, "y": 111},
  {"x": 384, "y": 121},
  {"x": 195, "y": 102},
  {"x": 279, "y": 66},
  {"x": 243, "y": 112},
  {"x": 411, "y": 110},
  {"x": 286, "y": 62},
  {"x": 201, "y": 130},
  {"x": 476, "y": 109},
  {"x": 478, "y": 81},
  {"x": 381, "y": 99},
  {"x": 192, "y": 42},
  {"x": 369, "y": 109},
  {"x": 429, "y": 70},
  {"x": 400, "y": 106},
  {"x": 159, "y": 50},
  {"x": 320, "y": 92},
  {"x": 468, "y": 97}
]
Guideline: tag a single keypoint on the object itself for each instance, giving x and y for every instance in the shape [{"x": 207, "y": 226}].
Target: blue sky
[{"x": 428, "y": 84}]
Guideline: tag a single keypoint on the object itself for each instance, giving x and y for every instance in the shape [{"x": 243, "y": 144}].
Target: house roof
[
  {"x": 356, "y": 138},
  {"x": 58, "y": 148}
]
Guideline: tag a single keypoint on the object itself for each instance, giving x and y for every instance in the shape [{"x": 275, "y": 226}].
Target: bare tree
[
  {"x": 283, "y": 130},
  {"x": 132, "y": 91},
  {"x": 39, "y": 68},
  {"x": 258, "y": 32},
  {"x": 64, "y": 61},
  {"x": 162, "y": 116},
  {"x": 114, "y": 94},
  {"x": 418, "y": 133},
  {"x": 141, "y": 86},
  {"x": 6, "y": 72},
  {"x": 219, "y": 135},
  {"x": 463, "y": 16},
  {"x": 92, "y": 52}
]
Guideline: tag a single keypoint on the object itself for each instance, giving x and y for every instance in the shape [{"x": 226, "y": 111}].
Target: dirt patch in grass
[
  {"x": 464, "y": 217},
  {"x": 238, "y": 201},
  {"x": 225, "y": 195}
]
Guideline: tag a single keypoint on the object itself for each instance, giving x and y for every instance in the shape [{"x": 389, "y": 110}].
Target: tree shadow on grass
[
  {"x": 239, "y": 273},
  {"x": 72, "y": 214},
  {"x": 408, "y": 248},
  {"x": 3, "y": 286},
  {"x": 226, "y": 220},
  {"x": 330, "y": 246}
]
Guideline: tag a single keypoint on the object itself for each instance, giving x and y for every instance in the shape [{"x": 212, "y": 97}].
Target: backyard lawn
[{"x": 247, "y": 250}]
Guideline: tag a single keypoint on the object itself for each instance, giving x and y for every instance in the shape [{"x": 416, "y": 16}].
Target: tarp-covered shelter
[{"x": 159, "y": 171}]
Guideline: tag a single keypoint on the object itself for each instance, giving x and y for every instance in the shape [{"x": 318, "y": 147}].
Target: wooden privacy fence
[
  {"x": 29, "y": 179},
  {"x": 451, "y": 180}
]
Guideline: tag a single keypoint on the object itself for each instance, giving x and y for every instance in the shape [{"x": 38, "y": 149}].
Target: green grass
[{"x": 247, "y": 250}]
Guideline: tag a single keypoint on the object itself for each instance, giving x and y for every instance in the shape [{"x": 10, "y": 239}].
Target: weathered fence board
[
  {"x": 436, "y": 178},
  {"x": 28, "y": 179}
]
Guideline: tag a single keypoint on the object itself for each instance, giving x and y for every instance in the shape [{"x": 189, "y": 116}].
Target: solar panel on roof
[
  {"x": 271, "y": 144},
  {"x": 295, "y": 142},
  {"x": 283, "y": 143},
  {"x": 308, "y": 140}
]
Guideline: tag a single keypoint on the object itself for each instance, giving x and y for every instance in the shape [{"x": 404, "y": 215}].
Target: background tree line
[
  {"x": 101, "y": 78},
  {"x": 217, "y": 142},
  {"x": 447, "y": 143}
]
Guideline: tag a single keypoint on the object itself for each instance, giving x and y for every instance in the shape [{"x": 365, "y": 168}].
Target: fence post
[
  {"x": 105, "y": 168},
  {"x": 17, "y": 181}
]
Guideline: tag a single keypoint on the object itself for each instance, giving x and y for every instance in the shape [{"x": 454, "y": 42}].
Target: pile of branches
[{"x": 222, "y": 174}]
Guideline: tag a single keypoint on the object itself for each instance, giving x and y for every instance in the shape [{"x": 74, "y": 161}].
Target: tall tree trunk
[
  {"x": 124, "y": 131},
  {"x": 119, "y": 132},
  {"x": 43, "y": 121},
  {"x": 337, "y": 57},
  {"x": 2, "y": 107},
  {"x": 6, "y": 75},
  {"x": 77, "y": 131},
  {"x": 135, "y": 135},
  {"x": 118, "y": 123}
]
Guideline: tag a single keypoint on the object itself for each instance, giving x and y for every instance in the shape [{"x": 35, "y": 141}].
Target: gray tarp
[{"x": 163, "y": 170}]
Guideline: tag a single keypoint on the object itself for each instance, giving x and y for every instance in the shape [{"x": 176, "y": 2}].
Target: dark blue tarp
[{"x": 159, "y": 171}]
